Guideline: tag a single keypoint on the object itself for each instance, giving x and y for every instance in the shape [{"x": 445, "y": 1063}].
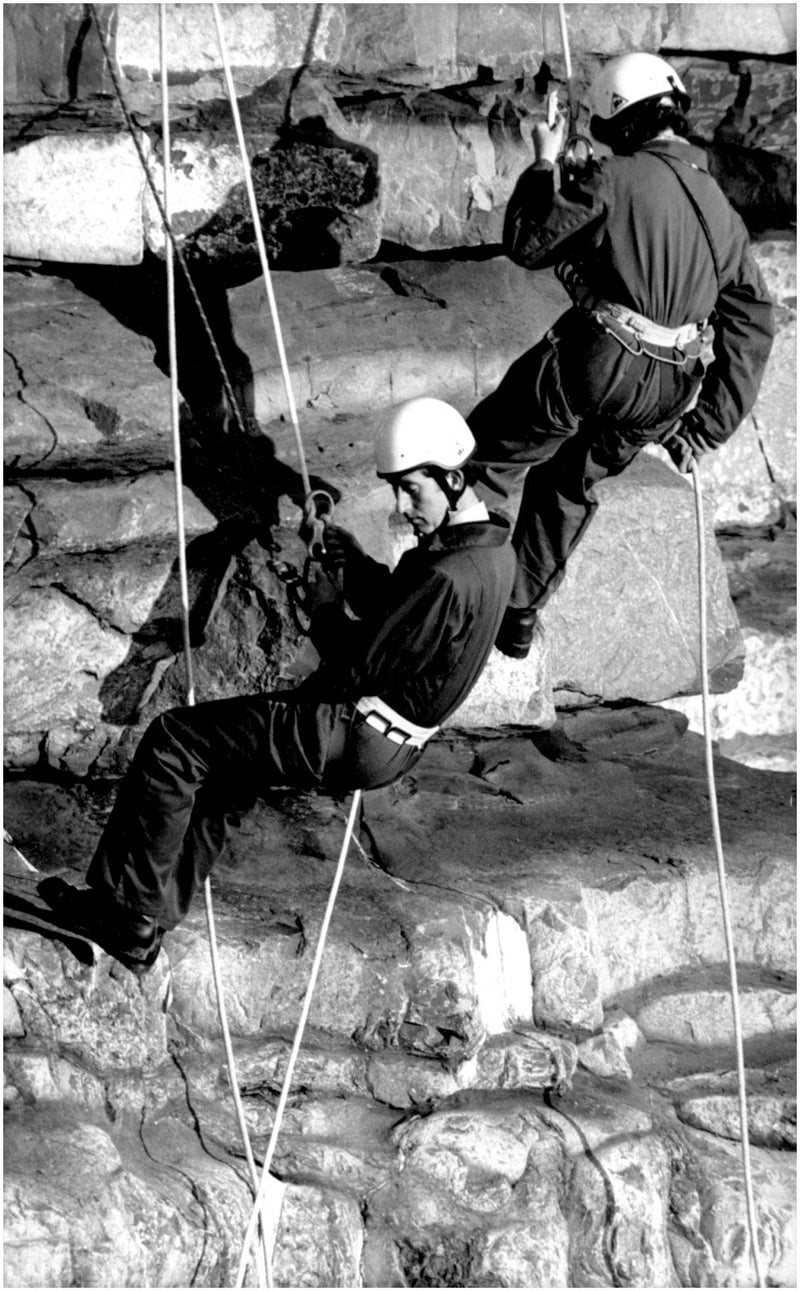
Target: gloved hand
[
  {"x": 340, "y": 545},
  {"x": 686, "y": 443},
  {"x": 321, "y": 588}
]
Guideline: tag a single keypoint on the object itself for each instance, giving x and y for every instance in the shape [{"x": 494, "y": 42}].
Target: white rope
[
  {"x": 562, "y": 22},
  {"x": 135, "y": 133},
  {"x": 257, "y": 1218},
  {"x": 262, "y": 1252},
  {"x": 173, "y": 372},
  {"x": 287, "y": 1079},
  {"x": 752, "y": 1218},
  {"x": 262, "y": 250}
]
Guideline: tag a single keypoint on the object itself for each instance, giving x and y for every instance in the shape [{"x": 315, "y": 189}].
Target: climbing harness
[
  {"x": 381, "y": 717},
  {"x": 691, "y": 342},
  {"x": 752, "y": 1218},
  {"x": 640, "y": 335}
]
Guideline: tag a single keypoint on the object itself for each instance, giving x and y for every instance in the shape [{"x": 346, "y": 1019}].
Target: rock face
[
  {"x": 519, "y": 1068},
  {"x": 93, "y": 638},
  {"x": 91, "y": 588},
  {"x": 520, "y": 1042},
  {"x": 401, "y": 122}
]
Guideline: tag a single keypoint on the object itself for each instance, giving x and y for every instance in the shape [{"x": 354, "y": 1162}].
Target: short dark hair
[{"x": 630, "y": 130}]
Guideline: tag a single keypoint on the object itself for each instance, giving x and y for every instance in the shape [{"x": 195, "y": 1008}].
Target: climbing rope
[
  {"x": 752, "y": 1219},
  {"x": 287, "y": 1079},
  {"x": 168, "y": 230},
  {"x": 578, "y": 150},
  {"x": 262, "y": 251},
  {"x": 258, "y": 1222},
  {"x": 310, "y": 495},
  {"x": 262, "y": 1252}
]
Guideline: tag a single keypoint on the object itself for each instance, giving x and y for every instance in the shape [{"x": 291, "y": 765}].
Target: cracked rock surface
[{"x": 518, "y": 1068}]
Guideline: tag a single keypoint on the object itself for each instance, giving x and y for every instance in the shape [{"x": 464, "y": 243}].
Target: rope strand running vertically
[
  {"x": 262, "y": 250},
  {"x": 287, "y": 1079},
  {"x": 261, "y": 1249},
  {"x": 752, "y": 1218},
  {"x": 168, "y": 230}
]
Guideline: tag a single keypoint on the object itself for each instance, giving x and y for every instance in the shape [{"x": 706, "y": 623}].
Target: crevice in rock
[
  {"x": 22, "y": 399},
  {"x": 194, "y": 1191},
  {"x": 788, "y": 510},
  {"x": 406, "y": 287},
  {"x": 73, "y": 66},
  {"x": 104, "y": 623}
]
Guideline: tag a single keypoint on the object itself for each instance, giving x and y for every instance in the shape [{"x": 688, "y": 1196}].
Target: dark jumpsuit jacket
[
  {"x": 426, "y": 632},
  {"x": 580, "y": 404}
]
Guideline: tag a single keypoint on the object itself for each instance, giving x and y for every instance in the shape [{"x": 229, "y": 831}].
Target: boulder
[
  {"x": 112, "y": 514},
  {"x": 82, "y": 390},
  {"x": 74, "y": 199},
  {"x": 606, "y": 1054},
  {"x": 700, "y": 1010},
  {"x": 69, "y": 621},
  {"x": 260, "y": 40},
  {"x": 88, "y": 1203},
  {"x": 757, "y": 722},
  {"x": 711, "y": 1241},
  {"x": 752, "y": 479},
  {"x": 316, "y": 197},
  {"x": 710, "y": 1101},
  {"x": 642, "y": 600}
]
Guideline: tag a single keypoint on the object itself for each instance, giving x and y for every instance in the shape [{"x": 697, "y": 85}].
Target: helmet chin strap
[{"x": 452, "y": 495}]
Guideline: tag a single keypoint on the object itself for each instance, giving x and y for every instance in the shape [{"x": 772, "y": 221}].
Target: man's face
[{"x": 420, "y": 501}]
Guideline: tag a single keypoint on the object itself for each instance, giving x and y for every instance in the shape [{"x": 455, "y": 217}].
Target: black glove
[{"x": 687, "y": 442}]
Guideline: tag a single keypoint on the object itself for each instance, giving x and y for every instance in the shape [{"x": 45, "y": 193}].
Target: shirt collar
[{"x": 478, "y": 513}]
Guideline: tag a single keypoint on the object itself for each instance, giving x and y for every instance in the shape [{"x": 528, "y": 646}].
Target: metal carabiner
[
  {"x": 314, "y": 525},
  {"x": 577, "y": 156}
]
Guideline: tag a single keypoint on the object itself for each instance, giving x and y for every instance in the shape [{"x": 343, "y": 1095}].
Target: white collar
[{"x": 476, "y": 514}]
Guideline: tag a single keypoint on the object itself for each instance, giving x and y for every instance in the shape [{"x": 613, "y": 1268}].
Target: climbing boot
[
  {"x": 131, "y": 938},
  {"x": 516, "y": 632}
]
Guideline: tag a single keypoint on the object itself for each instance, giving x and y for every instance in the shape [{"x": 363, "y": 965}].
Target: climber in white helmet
[
  {"x": 667, "y": 337},
  {"x": 388, "y": 679}
]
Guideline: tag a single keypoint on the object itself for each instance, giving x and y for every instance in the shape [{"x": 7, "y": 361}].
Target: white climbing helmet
[
  {"x": 422, "y": 432},
  {"x": 631, "y": 79}
]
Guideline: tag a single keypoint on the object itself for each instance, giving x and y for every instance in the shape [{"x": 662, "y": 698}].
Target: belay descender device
[
  {"x": 317, "y": 511},
  {"x": 578, "y": 151}
]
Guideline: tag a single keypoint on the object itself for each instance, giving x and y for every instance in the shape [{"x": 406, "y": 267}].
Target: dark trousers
[
  {"x": 195, "y": 767},
  {"x": 573, "y": 410}
]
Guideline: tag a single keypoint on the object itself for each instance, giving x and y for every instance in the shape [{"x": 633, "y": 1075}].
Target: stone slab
[
  {"x": 82, "y": 388},
  {"x": 74, "y": 200}
]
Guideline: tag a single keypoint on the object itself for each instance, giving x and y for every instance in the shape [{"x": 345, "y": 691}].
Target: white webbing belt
[
  {"x": 399, "y": 730},
  {"x": 671, "y": 338}
]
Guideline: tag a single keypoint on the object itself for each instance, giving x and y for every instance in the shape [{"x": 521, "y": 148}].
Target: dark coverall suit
[
  {"x": 580, "y": 404},
  {"x": 426, "y": 633}
]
